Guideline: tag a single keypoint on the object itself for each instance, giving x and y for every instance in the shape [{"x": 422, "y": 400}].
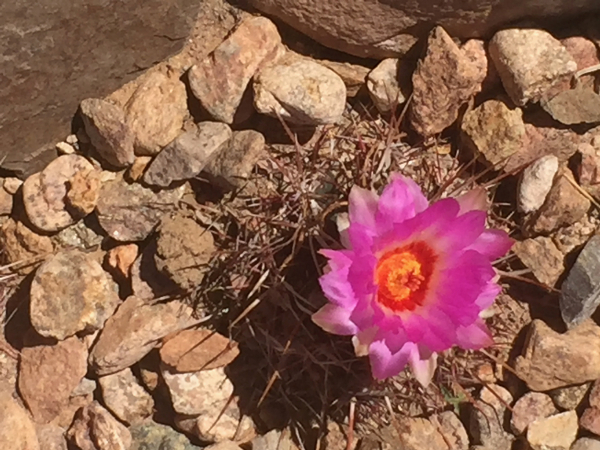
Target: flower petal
[
  {"x": 334, "y": 283},
  {"x": 384, "y": 363},
  {"x": 362, "y": 206},
  {"x": 342, "y": 221},
  {"x": 362, "y": 340},
  {"x": 462, "y": 231},
  {"x": 493, "y": 244},
  {"x": 335, "y": 320},
  {"x": 423, "y": 368},
  {"x": 474, "y": 336},
  {"x": 401, "y": 200},
  {"x": 473, "y": 200}
]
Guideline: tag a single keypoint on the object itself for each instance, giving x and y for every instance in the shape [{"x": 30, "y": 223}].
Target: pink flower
[{"x": 414, "y": 277}]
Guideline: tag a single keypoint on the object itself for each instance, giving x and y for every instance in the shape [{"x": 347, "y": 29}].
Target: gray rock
[
  {"x": 573, "y": 106},
  {"x": 153, "y": 436},
  {"x": 586, "y": 444},
  {"x": 536, "y": 182},
  {"x": 487, "y": 420},
  {"x": 580, "y": 293},
  {"x": 569, "y": 397},
  {"x": 186, "y": 156},
  {"x": 60, "y": 53}
]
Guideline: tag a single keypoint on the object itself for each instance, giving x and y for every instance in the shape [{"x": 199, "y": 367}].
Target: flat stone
[
  {"x": 156, "y": 111},
  {"x": 254, "y": 43},
  {"x": 182, "y": 259},
  {"x": 45, "y": 193},
  {"x": 536, "y": 182},
  {"x": 95, "y": 428},
  {"x": 529, "y": 408},
  {"x": 574, "y": 106},
  {"x": 586, "y": 444},
  {"x": 580, "y": 292},
  {"x": 300, "y": 91},
  {"x": 152, "y": 435},
  {"x": 197, "y": 349},
  {"x": 570, "y": 397},
  {"x": 134, "y": 330},
  {"x": 383, "y": 84},
  {"x": 552, "y": 360},
  {"x": 71, "y": 293},
  {"x": 125, "y": 397},
  {"x": 494, "y": 131},
  {"x": 17, "y": 431},
  {"x": 487, "y": 419},
  {"x": 564, "y": 206},
  {"x": 52, "y": 436},
  {"x": 48, "y": 374},
  {"x": 445, "y": 79},
  {"x": 556, "y": 432},
  {"x": 22, "y": 245},
  {"x": 130, "y": 212},
  {"x": 108, "y": 131},
  {"x": 186, "y": 156},
  {"x": 232, "y": 166},
  {"x": 542, "y": 257},
  {"x": 530, "y": 63}
]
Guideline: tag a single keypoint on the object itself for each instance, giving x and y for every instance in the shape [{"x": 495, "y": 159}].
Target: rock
[
  {"x": 182, "y": 259},
  {"x": 22, "y": 245},
  {"x": 70, "y": 293},
  {"x": 134, "y": 330},
  {"x": 48, "y": 374},
  {"x": 52, "y": 436},
  {"x": 125, "y": 398},
  {"x": 530, "y": 63},
  {"x": 585, "y": 54},
  {"x": 580, "y": 292},
  {"x": 152, "y": 435},
  {"x": 418, "y": 433},
  {"x": 595, "y": 395},
  {"x": 300, "y": 91},
  {"x": 444, "y": 80},
  {"x": 588, "y": 170},
  {"x": 494, "y": 131},
  {"x": 574, "y": 106},
  {"x": 156, "y": 111},
  {"x": 95, "y": 429},
  {"x": 82, "y": 194},
  {"x": 227, "y": 445},
  {"x": 556, "y": 432},
  {"x": 137, "y": 169},
  {"x": 113, "y": 45},
  {"x": 45, "y": 193},
  {"x": 542, "y": 257},
  {"x": 147, "y": 282},
  {"x": 197, "y": 349},
  {"x": 529, "y": 408},
  {"x": 384, "y": 87},
  {"x": 551, "y": 360},
  {"x": 232, "y": 166},
  {"x": 353, "y": 75},
  {"x": 564, "y": 206},
  {"x": 78, "y": 236},
  {"x": 6, "y": 202},
  {"x": 130, "y": 212},
  {"x": 85, "y": 387},
  {"x": 586, "y": 444},
  {"x": 570, "y": 397},
  {"x": 452, "y": 430},
  {"x": 218, "y": 427},
  {"x": 12, "y": 185},
  {"x": 65, "y": 418},
  {"x": 487, "y": 418},
  {"x": 17, "y": 431},
  {"x": 121, "y": 258},
  {"x": 253, "y": 44},
  {"x": 476, "y": 51},
  {"x": 536, "y": 182},
  {"x": 64, "y": 148},
  {"x": 590, "y": 420},
  {"x": 273, "y": 440},
  {"x": 188, "y": 154},
  {"x": 108, "y": 131}
]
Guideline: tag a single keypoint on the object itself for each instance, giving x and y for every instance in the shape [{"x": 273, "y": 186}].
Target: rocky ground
[{"x": 160, "y": 273}]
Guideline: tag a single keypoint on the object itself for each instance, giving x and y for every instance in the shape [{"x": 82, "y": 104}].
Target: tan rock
[
  {"x": 52, "y": 436},
  {"x": 300, "y": 91},
  {"x": 121, "y": 258},
  {"x": 586, "y": 444},
  {"x": 445, "y": 79},
  {"x": 22, "y": 245},
  {"x": 12, "y": 185},
  {"x": 452, "y": 430},
  {"x": 48, "y": 374},
  {"x": 134, "y": 330},
  {"x": 542, "y": 257},
  {"x": 383, "y": 84},
  {"x": 530, "y": 63},
  {"x": 137, "y": 169},
  {"x": 147, "y": 282},
  {"x": 95, "y": 429},
  {"x": 418, "y": 433},
  {"x": 253, "y": 44},
  {"x": 487, "y": 418},
  {"x": 125, "y": 398},
  {"x": 529, "y": 408},
  {"x": 552, "y": 360},
  {"x": 156, "y": 111},
  {"x": 83, "y": 191},
  {"x": 45, "y": 193},
  {"x": 6, "y": 202},
  {"x": 17, "y": 431},
  {"x": 65, "y": 418},
  {"x": 536, "y": 181},
  {"x": 71, "y": 293},
  {"x": 556, "y": 432},
  {"x": 197, "y": 349},
  {"x": 353, "y": 75}
]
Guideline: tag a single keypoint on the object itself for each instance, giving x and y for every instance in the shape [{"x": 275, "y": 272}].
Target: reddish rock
[
  {"x": 17, "y": 431},
  {"x": 121, "y": 258},
  {"x": 94, "y": 428},
  {"x": 82, "y": 194},
  {"x": 542, "y": 257},
  {"x": 590, "y": 420},
  {"x": 22, "y": 245},
  {"x": 529, "y": 408}
]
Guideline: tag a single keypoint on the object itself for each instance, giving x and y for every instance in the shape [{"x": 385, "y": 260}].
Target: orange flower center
[{"x": 402, "y": 276}]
